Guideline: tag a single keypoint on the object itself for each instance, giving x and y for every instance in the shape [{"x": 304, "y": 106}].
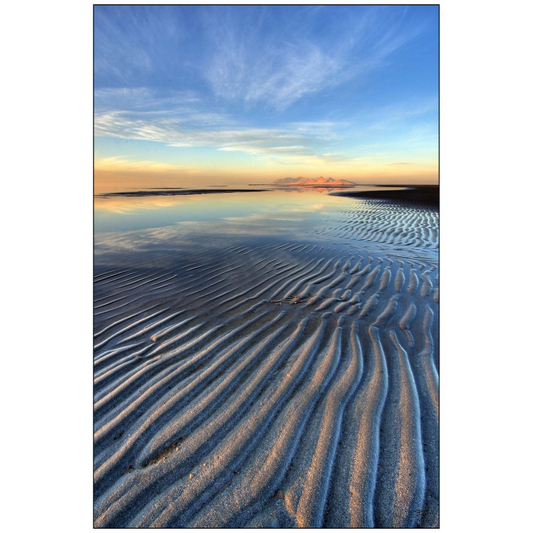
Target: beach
[{"x": 273, "y": 364}]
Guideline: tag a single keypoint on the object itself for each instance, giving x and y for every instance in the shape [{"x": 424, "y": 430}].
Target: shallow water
[
  {"x": 126, "y": 224},
  {"x": 277, "y": 350},
  {"x": 227, "y": 210}
]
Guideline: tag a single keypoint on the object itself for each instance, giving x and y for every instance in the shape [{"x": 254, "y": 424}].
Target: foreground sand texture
[{"x": 272, "y": 382}]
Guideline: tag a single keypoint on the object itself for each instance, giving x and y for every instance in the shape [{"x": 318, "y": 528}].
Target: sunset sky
[{"x": 197, "y": 96}]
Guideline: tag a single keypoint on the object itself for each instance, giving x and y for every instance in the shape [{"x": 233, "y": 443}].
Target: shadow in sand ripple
[{"x": 256, "y": 381}]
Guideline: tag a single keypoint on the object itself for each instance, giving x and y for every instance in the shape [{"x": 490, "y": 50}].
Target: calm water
[
  {"x": 166, "y": 229},
  {"x": 164, "y": 226},
  {"x": 253, "y": 210}
]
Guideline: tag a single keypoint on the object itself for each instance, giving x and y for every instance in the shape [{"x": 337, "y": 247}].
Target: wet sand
[{"x": 273, "y": 381}]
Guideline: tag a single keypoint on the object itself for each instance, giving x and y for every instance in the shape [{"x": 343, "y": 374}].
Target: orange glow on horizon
[{"x": 127, "y": 176}]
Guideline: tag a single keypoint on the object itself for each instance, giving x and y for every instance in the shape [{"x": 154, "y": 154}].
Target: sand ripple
[{"x": 280, "y": 384}]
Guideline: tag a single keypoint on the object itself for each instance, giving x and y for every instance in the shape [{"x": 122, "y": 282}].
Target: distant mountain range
[{"x": 300, "y": 181}]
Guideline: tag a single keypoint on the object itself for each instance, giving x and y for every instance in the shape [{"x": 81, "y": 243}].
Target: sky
[{"x": 207, "y": 95}]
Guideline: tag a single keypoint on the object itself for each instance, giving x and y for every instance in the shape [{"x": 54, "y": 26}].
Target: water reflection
[
  {"x": 158, "y": 231},
  {"x": 125, "y": 213}
]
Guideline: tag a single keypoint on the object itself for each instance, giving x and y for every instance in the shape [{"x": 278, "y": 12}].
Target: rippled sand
[{"x": 283, "y": 381}]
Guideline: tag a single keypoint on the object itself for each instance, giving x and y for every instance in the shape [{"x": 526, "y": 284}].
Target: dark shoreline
[
  {"x": 174, "y": 192},
  {"x": 427, "y": 195}
]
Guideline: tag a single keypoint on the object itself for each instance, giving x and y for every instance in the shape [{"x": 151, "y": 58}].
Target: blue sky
[{"x": 267, "y": 92}]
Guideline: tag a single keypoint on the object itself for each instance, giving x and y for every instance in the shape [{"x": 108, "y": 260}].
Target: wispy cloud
[
  {"x": 289, "y": 85},
  {"x": 187, "y": 128},
  {"x": 143, "y": 99},
  {"x": 125, "y": 164},
  {"x": 277, "y": 79},
  {"x": 302, "y": 58},
  {"x": 132, "y": 42},
  {"x": 385, "y": 118},
  {"x": 304, "y": 143},
  {"x": 256, "y": 56}
]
